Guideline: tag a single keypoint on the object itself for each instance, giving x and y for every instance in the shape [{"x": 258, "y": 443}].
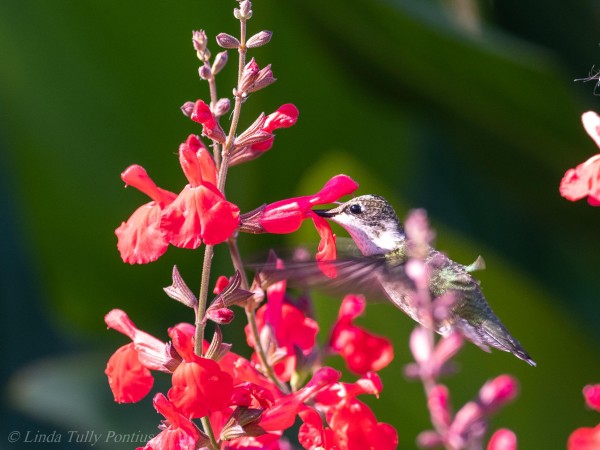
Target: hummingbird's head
[{"x": 371, "y": 222}]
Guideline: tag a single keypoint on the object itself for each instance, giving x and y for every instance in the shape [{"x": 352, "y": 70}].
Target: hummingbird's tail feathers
[{"x": 496, "y": 335}]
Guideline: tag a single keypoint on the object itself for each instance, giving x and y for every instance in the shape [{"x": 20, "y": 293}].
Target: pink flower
[
  {"x": 178, "y": 432},
  {"x": 141, "y": 239},
  {"x": 591, "y": 394},
  {"x": 503, "y": 439},
  {"x": 584, "y": 180},
  {"x": 362, "y": 351},
  {"x": 200, "y": 212}
]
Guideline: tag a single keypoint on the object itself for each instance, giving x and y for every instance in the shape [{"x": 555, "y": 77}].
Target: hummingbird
[{"x": 379, "y": 235}]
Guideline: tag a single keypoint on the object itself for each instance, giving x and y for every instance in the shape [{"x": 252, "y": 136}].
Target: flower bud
[
  {"x": 227, "y": 41},
  {"x": 219, "y": 63},
  {"x": 244, "y": 12},
  {"x": 199, "y": 40},
  {"x": 259, "y": 39},
  {"x": 187, "y": 108},
  {"x": 222, "y": 106},
  {"x": 503, "y": 439},
  {"x": 205, "y": 72},
  {"x": 263, "y": 79}
]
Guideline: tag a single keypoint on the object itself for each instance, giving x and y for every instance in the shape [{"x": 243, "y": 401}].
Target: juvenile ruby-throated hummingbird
[{"x": 375, "y": 228}]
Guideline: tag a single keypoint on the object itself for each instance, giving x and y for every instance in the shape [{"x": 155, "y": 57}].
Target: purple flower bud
[
  {"x": 219, "y": 63},
  {"x": 227, "y": 41},
  {"x": 223, "y": 105},
  {"x": 259, "y": 39},
  {"x": 199, "y": 40},
  {"x": 187, "y": 108},
  {"x": 205, "y": 72},
  {"x": 244, "y": 12}
]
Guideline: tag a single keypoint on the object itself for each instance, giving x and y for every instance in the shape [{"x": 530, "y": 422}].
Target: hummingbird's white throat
[{"x": 371, "y": 240}]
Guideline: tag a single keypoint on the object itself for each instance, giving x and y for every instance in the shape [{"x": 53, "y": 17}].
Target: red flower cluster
[
  {"x": 199, "y": 213},
  {"x": 585, "y": 438},
  {"x": 584, "y": 180},
  {"x": 245, "y": 409}
]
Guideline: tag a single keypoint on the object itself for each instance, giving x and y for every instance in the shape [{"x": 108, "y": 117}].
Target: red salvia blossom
[
  {"x": 584, "y": 180},
  {"x": 128, "y": 378},
  {"x": 259, "y": 137},
  {"x": 202, "y": 114},
  {"x": 286, "y": 216},
  {"x": 141, "y": 239},
  {"x": 285, "y": 116},
  {"x": 200, "y": 212},
  {"x": 200, "y": 385},
  {"x": 178, "y": 431},
  {"x": 128, "y": 369},
  {"x": 362, "y": 351},
  {"x": 350, "y": 424},
  {"x": 584, "y": 439}
]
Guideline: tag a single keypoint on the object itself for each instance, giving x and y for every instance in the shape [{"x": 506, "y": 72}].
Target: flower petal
[
  {"x": 128, "y": 379},
  {"x": 591, "y": 123},
  {"x": 141, "y": 240}
]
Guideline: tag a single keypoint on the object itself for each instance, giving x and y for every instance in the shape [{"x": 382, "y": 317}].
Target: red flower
[
  {"x": 285, "y": 116},
  {"x": 200, "y": 387},
  {"x": 258, "y": 138},
  {"x": 584, "y": 180},
  {"x": 356, "y": 428},
  {"x": 294, "y": 330},
  {"x": 351, "y": 424},
  {"x": 286, "y": 216},
  {"x": 178, "y": 432},
  {"x": 128, "y": 379},
  {"x": 202, "y": 114},
  {"x": 592, "y": 396},
  {"x": 200, "y": 212},
  {"x": 585, "y": 439},
  {"x": 141, "y": 239},
  {"x": 283, "y": 413},
  {"x": 362, "y": 351},
  {"x": 199, "y": 384},
  {"x": 127, "y": 369}
]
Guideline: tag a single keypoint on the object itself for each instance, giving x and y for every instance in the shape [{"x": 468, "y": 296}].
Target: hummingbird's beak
[{"x": 323, "y": 212}]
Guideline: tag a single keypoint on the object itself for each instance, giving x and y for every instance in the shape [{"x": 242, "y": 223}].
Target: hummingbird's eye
[{"x": 355, "y": 209}]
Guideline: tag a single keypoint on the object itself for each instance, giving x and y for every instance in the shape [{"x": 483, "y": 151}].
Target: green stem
[
  {"x": 214, "y": 445},
  {"x": 269, "y": 372},
  {"x": 202, "y": 298}
]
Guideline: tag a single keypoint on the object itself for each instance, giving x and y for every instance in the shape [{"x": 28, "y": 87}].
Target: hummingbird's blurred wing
[{"x": 354, "y": 274}]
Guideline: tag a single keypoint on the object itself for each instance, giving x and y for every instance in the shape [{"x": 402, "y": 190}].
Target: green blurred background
[{"x": 465, "y": 108}]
